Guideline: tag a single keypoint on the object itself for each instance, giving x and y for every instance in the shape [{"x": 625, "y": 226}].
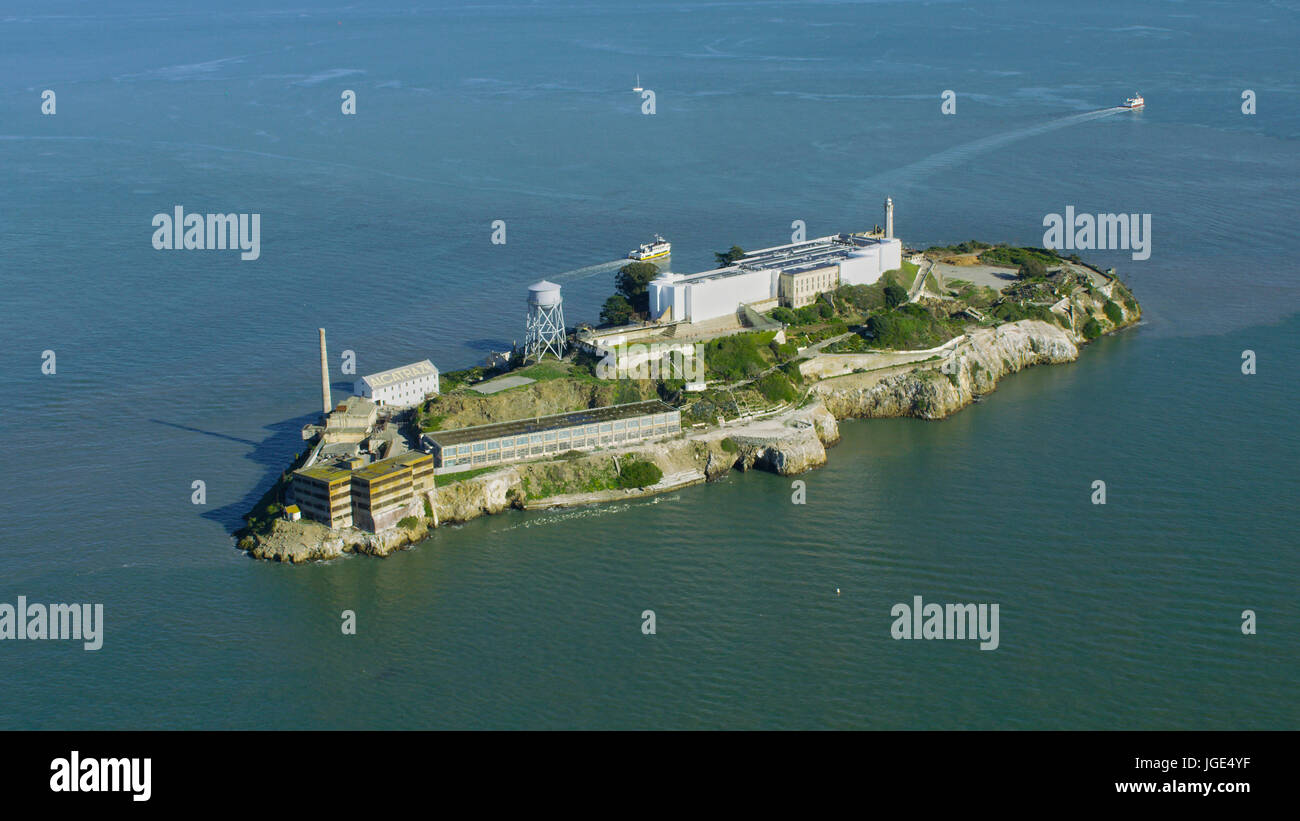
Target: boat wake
[
  {"x": 589, "y": 271},
  {"x": 951, "y": 157}
]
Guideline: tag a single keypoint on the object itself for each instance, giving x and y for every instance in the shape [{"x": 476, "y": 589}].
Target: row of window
[
  {"x": 640, "y": 426},
  {"x": 818, "y": 284},
  {"x": 481, "y": 456}
]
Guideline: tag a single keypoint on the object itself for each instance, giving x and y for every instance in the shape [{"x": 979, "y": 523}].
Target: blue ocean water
[{"x": 177, "y": 366}]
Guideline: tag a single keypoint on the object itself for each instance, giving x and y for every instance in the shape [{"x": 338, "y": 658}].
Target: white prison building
[
  {"x": 400, "y": 387},
  {"x": 790, "y": 275}
]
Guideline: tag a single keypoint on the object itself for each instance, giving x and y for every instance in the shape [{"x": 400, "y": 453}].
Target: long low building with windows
[{"x": 504, "y": 442}]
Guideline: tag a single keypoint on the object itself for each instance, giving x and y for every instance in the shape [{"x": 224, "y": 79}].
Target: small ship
[{"x": 652, "y": 250}]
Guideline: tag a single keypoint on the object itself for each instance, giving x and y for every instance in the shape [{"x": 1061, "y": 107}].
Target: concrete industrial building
[
  {"x": 382, "y": 491},
  {"x": 324, "y": 494},
  {"x": 400, "y": 387},
  {"x": 351, "y": 494},
  {"x": 790, "y": 275},
  {"x": 504, "y": 442},
  {"x": 351, "y": 421},
  {"x": 800, "y": 287}
]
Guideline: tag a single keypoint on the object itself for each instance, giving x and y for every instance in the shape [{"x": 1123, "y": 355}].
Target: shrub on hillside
[
  {"x": 636, "y": 473},
  {"x": 777, "y": 387},
  {"x": 895, "y": 295}
]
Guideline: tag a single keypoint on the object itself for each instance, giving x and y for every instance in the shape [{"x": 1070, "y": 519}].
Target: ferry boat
[
  {"x": 652, "y": 250},
  {"x": 1135, "y": 101}
]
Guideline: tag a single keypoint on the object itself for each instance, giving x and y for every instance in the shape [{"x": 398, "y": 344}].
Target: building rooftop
[
  {"x": 384, "y": 467},
  {"x": 416, "y": 369},
  {"x": 325, "y": 473},
  {"x": 792, "y": 258},
  {"x": 544, "y": 423}
]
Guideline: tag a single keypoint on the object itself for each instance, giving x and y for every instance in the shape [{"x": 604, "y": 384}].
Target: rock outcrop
[
  {"x": 795, "y": 445},
  {"x": 942, "y": 387}
]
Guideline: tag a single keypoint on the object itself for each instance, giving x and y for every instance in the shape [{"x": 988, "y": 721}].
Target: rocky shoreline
[{"x": 787, "y": 443}]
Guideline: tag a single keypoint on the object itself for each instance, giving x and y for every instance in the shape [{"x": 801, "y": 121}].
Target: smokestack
[
  {"x": 324, "y": 374},
  {"x": 889, "y": 218}
]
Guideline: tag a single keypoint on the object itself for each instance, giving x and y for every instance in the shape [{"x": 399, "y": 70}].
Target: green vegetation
[
  {"x": 807, "y": 315},
  {"x": 725, "y": 258},
  {"x": 428, "y": 508},
  {"x": 777, "y": 387},
  {"x": 451, "y": 380},
  {"x": 631, "y": 301},
  {"x": 862, "y": 298},
  {"x": 909, "y": 327},
  {"x": 616, "y": 311},
  {"x": 850, "y": 344},
  {"x": 1091, "y": 329},
  {"x": 1007, "y": 256},
  {"x": 544, "y": 480},
  {"x": 728, "y": 445},
  {"x": 636, "y": 473},
  {"x": 544, "y": 370},
  {"x": 970, "y": 246},
  {"x": 737, "y": 357},
  {"x": 791, "y": 370},
  {"x": 895, "y": 295},
  {"x": 633, "y": 282},
  {"x": 450, "y": 478},
  {"x": 409, "y": 522},
  {"x": 427, "y": 420},
  {"x": 1113, "y": 312},
  {"x": 783, "y": 352},
  {"x": 1013, "y": 311},
  {"x": 1032, "y": 268},
  {"x": 976, "y": 296},
  {"x": 271, "y": 506}
]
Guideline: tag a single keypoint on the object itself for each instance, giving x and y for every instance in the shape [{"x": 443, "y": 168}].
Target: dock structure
[{"x": 504, "y": 442}]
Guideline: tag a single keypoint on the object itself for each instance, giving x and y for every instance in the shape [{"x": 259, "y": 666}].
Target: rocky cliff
[{"x": 941, "y": 387}]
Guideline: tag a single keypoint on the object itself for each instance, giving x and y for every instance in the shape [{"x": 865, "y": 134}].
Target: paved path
[{"x": 918, "y": 285}]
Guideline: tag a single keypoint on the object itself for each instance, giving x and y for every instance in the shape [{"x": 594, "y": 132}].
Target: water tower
[{"x": 545, "y": 329}]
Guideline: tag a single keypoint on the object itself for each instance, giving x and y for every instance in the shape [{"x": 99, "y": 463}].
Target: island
[{"x": 770, "y": 353}]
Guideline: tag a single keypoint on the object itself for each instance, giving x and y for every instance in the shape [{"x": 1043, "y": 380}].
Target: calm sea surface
[{"x": 177, "y": 366}]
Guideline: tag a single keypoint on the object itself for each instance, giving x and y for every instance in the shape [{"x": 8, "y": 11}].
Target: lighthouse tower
[{"x": 889, "y": 218}]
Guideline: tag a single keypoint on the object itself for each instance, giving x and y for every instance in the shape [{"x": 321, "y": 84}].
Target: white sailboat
[{"x": 638, "y": 87}]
